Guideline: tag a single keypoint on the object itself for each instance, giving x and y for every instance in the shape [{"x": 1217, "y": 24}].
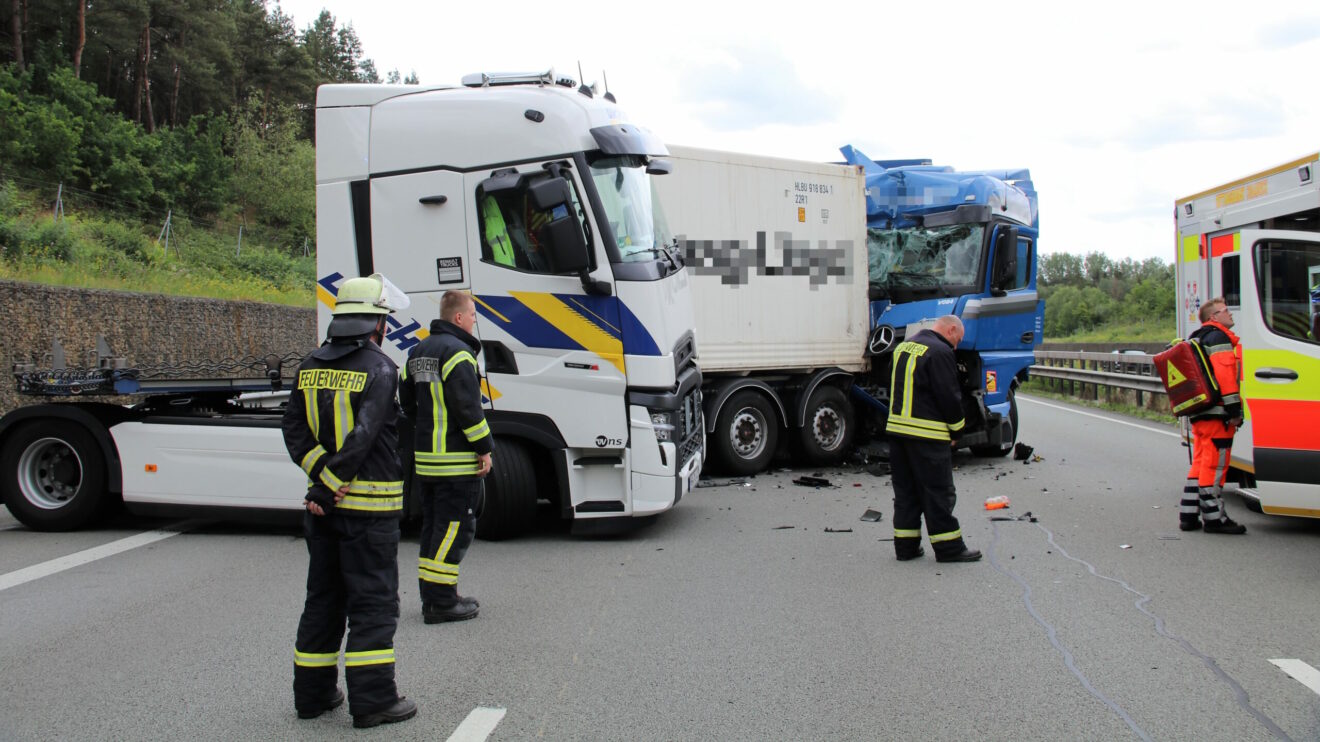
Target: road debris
[
  {"x": 812, "y": 482},
  {"x": 872, "y": 516},
  {"x": 782, "y": 528},
  {"x": 1022, "y": 452},
  {"x": 837, "y": 530},
  {"x": 1027, "y": 516},
  {"x": 1125, "y": 546},
  {"x": 726, "y": 483},
  {"x": 996, "y": 503}
]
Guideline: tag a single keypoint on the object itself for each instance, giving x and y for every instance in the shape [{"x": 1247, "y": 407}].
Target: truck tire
[
  {"x": 827, "y": 429},
  {"x": 53, "y": 476},
  {"x": 746, "y": 434},
  {"x": 989, "y": 450},
  {"x": 510, "y": 503}
]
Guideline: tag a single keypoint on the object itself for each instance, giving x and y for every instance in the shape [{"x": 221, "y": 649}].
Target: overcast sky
[{"x": 1117, "y": 108}]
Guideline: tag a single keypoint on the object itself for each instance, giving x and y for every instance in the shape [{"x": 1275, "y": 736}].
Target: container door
[{"x": 1279, "y": 323}]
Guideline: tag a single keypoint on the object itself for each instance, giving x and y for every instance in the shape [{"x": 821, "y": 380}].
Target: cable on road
[
  {"x": 1239, "y": 693},
  {"x": 1053, "y": 635}
]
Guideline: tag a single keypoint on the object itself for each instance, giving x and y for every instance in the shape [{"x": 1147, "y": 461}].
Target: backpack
[{"x": 1185, "y": 371}]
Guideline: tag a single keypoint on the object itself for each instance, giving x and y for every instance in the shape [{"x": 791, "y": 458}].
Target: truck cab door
[
  {"x": 552, "y": 348},
  {"x": 1279, "y": 326}
]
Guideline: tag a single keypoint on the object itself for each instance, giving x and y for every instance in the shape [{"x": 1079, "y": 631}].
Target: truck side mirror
[
  {"x": 549, "y": 193},
  {"x": 502, "y": 180},
  {"x": 1005, "y": 273},
  {"x": 659, "y": 167},
  {"x": 567, "y": 246}
]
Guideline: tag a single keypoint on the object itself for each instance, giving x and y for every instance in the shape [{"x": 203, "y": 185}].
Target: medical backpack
[{"x": 1185, "y": 371}]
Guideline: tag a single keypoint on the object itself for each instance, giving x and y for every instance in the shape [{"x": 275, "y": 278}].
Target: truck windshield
[
  {"x": 630, "y": 205},
  {"x": 926, "y": 260}
]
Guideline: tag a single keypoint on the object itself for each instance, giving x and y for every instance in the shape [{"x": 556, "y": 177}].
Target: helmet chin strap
[{"x": 378, "y": 334}]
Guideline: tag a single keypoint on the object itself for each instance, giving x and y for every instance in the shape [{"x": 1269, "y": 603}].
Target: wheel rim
[
  {"x": 747, "y": 433},
  {"x": 49, "y": 473},
  {"x": 827, "y": 428}
]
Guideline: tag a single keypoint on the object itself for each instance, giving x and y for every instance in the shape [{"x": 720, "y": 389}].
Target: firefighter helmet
[{"x": 360, "y": 304}]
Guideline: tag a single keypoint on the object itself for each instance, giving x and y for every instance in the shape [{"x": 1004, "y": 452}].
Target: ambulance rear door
[{"x": 1279, "y": 325}]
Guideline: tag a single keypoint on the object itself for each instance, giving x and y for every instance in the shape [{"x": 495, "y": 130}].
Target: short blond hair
[
  {"x": 1209, "y": 308},
  {"x": 454, "y": 301}
]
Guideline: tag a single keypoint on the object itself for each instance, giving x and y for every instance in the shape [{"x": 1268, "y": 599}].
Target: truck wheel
[
  {"x": 53, "y": 476},
  {"x": 1001, "y": 450},
  {"x": 746, "y": 433},
  {"x": 510, "y": 505},
  {"x": 827, "y": 431}
]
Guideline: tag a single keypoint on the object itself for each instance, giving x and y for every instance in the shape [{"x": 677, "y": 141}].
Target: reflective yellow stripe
[
  {"x": 908, "y": 392},
  {"x": 907, "y": 533},
  {"x": 309, "y": 461},
  {"x": 329, "y": 479},
  {"x": 313, "y": 659},
  {"x": 955, "y": 427},
  {"x": 434, "y": 566},
  {"x": 448, "y": 470},
  {"x": 373, "y": 657},
  {"x": 438, "y": 579},
  {"x": 450, "y": 534},
  {"x": 343, "y": 419},
  {"x": 460, "y": 357},
  {"x": 477, "y": 432},
  {"x": 936, "y": 538},
  {"x": 313, "y": 412},
  {"x": 437, "y": 402},
  {"x": 371, "y": 504},
  {"x": 358, "y": 487},
  {"x": 440, "y": 458}
]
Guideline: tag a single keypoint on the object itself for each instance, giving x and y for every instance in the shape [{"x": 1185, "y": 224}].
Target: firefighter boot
[
  {"x": 402, "y": 710},
  {"x": 1224, "y": 525},
  {"x": 457, "y": 610},
  {"x": 955, "y": 551}
]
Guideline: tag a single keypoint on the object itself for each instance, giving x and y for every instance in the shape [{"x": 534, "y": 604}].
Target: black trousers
[
  {"x": 922, "y": 475},
  {"x": 449, "y": 522},
  {"x": 353, "y": 576}
]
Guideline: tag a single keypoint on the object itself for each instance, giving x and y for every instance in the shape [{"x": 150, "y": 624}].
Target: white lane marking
[
  {"x": 1301, "y": 672},
  {"x": 45, "y": 569},
  {"x": 478, "y": 725},
  {"x": 1076, "y": 411}
]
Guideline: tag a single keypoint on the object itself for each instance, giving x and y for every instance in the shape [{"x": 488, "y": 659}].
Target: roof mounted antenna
[
  {"x": 590, "y": 92},
  {"x": 608, "y": 95}
]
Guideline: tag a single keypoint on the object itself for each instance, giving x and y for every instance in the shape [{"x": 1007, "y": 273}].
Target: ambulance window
[
  {"x": 1286, "y": 279},
  {"x": 1230, "y": 280}
]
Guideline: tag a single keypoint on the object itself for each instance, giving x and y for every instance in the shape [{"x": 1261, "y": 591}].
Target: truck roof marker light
[
  {"x": 150, "y": 468},
  {"x": 1304, "y": 173},
  {"x": 534, "y": 115}
]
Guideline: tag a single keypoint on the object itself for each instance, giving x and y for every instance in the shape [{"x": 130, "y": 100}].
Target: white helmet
[{"x": 360, "y": 303}]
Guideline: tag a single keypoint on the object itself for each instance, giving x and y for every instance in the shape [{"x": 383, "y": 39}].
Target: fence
[{"x": 1085, "y": 373}]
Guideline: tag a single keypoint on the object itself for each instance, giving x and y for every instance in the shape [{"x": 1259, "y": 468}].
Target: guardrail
[{"x": 1129, "y": 371}]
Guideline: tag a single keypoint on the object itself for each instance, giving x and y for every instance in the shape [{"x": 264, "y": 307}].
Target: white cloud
[{"x": 1118, "y": 109}]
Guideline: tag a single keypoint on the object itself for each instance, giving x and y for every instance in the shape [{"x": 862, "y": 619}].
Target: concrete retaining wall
[{"x": 146, "y": 329}]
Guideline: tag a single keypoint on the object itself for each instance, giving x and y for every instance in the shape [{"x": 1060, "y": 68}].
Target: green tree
[{"x": 274, "y": 170}]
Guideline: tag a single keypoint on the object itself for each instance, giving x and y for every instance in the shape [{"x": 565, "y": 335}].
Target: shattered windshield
[
  {"x": 947, "y": 257},
  {"x": 625, "y": 191}
]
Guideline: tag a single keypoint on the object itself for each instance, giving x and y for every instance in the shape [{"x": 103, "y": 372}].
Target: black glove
[{"x": 321, "y": 495}]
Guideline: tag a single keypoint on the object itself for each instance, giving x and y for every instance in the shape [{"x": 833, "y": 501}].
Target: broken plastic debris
[
  {"x": 837, "y": 530},
  {"x": 872, "y": 516},
  {"x": 780, "y": 528},
  {"x": 812, "y": 482},
  {"x": 1125, "y": 546},
  {"x": 996, "y": 503},
  {"x": 726, "y": 483},
  {"x": 1022, "y": 452}
]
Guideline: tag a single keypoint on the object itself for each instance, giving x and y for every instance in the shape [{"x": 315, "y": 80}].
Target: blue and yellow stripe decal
[{"x": 602, "y": 325}]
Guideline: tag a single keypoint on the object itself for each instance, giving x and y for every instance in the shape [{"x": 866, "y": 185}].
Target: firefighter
[
  {"x": 452, "y": 445},
  {"x": 1213, "y": 429},
  {"x": 340, "y": 427},
  {"x": 924, "y": 422}
]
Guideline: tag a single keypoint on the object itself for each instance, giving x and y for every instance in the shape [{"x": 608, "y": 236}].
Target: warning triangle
[{"x": 1175, "y": 378}]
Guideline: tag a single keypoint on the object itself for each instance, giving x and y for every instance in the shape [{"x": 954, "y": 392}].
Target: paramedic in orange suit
[{"x": 1213, "y": 429}]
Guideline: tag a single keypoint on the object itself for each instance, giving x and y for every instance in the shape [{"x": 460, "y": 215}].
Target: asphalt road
[{"x": 764, "y": 611}]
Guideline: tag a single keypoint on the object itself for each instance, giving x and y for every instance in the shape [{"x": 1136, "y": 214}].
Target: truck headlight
[{"x": 663, "y": 422}]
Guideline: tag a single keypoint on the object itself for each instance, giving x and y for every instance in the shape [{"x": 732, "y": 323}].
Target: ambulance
[{"x": 1256, "y": 242}]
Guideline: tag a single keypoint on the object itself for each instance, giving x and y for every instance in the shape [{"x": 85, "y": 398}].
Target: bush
[
  {"x": 120, "y": 239},
  {"x": 44, "y": 242}
]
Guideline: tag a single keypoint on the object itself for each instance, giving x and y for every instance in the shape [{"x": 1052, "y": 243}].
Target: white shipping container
[{"x": 776, "y": 252}]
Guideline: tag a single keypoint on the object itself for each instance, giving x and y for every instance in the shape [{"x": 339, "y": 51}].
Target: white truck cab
[{"x": 536, "y": 197}]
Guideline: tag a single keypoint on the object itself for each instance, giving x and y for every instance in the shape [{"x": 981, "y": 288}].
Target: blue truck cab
[{"x": 939, "y": 242}]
